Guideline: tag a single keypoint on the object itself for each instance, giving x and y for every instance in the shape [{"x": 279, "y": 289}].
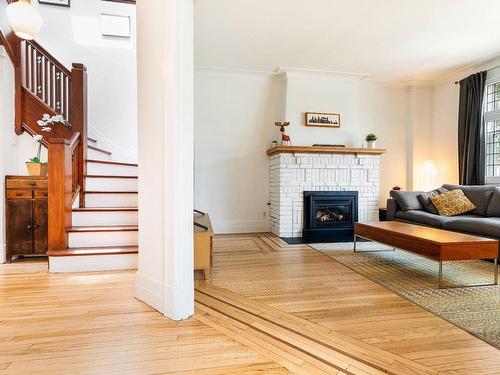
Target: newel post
[
  {"x": 60, "y": 194},
  {"x": 79, "y": 119}
]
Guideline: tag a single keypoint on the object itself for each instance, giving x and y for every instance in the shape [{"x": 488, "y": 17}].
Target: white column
[{"x": 165, "y": 134}]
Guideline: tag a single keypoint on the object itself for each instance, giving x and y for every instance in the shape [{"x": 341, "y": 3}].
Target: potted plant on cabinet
[
  {"x": 370, "y": 140},
  {"x": 34, "y": 165}
]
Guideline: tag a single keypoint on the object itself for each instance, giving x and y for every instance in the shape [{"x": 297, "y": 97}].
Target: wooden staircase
[
  {"x": 103, "y": 235},
  {"x": 92, "y": 200}
]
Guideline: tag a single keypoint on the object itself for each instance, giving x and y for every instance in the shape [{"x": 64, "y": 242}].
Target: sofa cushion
[
  {"x": 425, "y": 200},
  {"x": 423, "y": 217},
  {"x": 480, "y": 196},
  {"x": 452, "y": 203},
  {"x": 494, "y": 207},
  {"x": 407, "y": 200},
  {"x": 482, "y": 226}
]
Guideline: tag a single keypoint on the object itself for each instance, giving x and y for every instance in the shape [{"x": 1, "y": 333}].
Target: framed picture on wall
[
  {"x": 61, "y": 3},
  {"x": 322, "y": 120}
]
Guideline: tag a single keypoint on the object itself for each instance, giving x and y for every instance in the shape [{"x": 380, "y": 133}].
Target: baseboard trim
[
  {"x": 149, "y": 291},
  {"x": 241, "y": 226}
]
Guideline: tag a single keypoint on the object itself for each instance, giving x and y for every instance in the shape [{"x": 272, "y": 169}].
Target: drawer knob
[
  {"x": 19, "y": 194},
  {"x": 33, "y": 183}
]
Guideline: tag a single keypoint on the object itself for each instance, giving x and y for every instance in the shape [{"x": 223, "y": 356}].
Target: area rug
[{"x": 476, "y": 310}]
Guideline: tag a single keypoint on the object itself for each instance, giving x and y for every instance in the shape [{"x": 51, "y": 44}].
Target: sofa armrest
[{"x": 392, "y": 208}]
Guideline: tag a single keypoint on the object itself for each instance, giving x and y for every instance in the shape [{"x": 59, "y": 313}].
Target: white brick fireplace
[{"x": 295, "y": 169}]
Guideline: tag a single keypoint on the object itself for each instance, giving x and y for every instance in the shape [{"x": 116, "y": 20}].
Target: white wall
[
  {"x": 445, "y": 132},
  {"x": 364, "y": 107},
  {"x": 419, "y": 141},
  {"x": 234, "y": 126},
  {"x": 73, "y": 35}
]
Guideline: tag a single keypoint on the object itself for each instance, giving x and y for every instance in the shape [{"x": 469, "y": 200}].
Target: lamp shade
[
  {"x": 428, "y": 175},
  {"x": 24, "y": 19}
]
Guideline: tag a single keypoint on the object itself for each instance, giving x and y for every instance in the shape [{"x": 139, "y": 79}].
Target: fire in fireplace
[{"x": 329, "y": 216}]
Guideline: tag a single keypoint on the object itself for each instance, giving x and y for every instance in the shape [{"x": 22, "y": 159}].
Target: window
[{"x": 492, "y": 133}]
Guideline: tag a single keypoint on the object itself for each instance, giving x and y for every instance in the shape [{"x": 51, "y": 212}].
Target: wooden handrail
[
  {"x": 73, "y": 142},
  {"x": 44, "y": 52}
]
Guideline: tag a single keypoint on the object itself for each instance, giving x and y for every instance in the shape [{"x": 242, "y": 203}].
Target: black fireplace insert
[{"x": 329, "y": 216}]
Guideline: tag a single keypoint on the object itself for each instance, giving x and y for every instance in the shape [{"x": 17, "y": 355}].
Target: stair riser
[
  {"x": 96, "y": 155},
  {"x": 89, "y": 263},
  {"x": 111, "y": 170},
  {"x": 111, "y": 184},
  {"x": 104, "y": 218},
  {"x": 91, "y": 239},
  {"x": 111, "y": 200}
]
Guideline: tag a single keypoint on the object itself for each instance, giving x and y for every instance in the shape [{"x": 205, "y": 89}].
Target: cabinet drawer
[
  {"x": 41, "y": 194},
  {"x": 19, "y": 194},
  {"x": 26, "y": 184}
]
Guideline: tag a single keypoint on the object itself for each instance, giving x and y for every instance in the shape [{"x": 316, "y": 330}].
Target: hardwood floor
[
  {"x": 269, "y": 308},
  {"x": 89, "y": 323},
  {"x": 304, "y": 283}
]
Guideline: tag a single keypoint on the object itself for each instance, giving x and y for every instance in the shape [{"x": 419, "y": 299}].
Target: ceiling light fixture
[{"x": 24, "y": 19}]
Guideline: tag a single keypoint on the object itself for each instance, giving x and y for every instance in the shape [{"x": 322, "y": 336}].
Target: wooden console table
[{"x": 203, "y": 245}]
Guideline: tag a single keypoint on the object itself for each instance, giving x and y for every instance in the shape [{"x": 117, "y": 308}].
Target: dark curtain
[{"x": 471, "y": 148}]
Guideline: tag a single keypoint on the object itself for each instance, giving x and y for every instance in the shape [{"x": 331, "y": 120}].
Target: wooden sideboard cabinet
[
  {"x": 26, "y": 215},
  {"x": 203, "y": 244}
]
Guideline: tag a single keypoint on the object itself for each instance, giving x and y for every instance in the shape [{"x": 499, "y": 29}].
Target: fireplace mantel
[{"x": 324, "y": 150}]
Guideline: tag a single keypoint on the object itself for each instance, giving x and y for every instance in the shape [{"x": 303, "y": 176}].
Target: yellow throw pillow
[{"x": 452, "y": 203}]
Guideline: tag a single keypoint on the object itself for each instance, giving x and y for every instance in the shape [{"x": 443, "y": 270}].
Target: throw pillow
[
  {"x": 407, "y": 200},
  {"x": 479, "y": 195},
  {"x": 452, "y": 203},
  {"x": 425, "y": 199},
  {"x": 494, "y": 207}
]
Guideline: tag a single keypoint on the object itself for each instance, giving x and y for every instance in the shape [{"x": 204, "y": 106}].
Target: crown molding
[{"x": 258, "y": 75}]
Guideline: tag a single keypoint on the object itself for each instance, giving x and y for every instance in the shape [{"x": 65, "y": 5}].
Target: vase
[
  {"x": 371, "y": 144},
  {"x": 37, "y": 169}
]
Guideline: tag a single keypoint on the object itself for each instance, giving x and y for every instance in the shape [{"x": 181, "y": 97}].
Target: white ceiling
[{"x": 384, "y": 39}]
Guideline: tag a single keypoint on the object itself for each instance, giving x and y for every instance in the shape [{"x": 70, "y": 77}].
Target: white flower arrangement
[{"x": 47, "y": 120}]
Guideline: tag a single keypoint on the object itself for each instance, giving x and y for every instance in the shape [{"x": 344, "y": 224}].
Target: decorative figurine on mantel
[{"x": 285, "y": 139}]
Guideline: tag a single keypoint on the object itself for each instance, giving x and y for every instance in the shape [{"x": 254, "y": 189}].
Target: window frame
[{"x": 488, "y": 117}]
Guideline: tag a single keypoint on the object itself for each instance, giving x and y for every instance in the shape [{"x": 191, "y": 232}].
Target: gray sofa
[{"x": 483, "y": 221}]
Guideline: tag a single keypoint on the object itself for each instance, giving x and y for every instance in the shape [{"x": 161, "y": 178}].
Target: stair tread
[
  {"x": 111, "y": 162},
  {"x": 104, "y": 228},
  {"x": 98, "y": 149},
  {"x": 106, "y": 176},
  {"x": 108, "y": 192},
  {"x": 104, "y": 209},
  {"x": 105, "y": 250}
]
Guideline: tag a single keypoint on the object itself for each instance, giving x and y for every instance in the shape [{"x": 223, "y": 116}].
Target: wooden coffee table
[{"x": 432, "y": 243}]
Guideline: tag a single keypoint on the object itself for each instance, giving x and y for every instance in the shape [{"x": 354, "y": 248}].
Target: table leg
[{"x": 440, "y": 278}]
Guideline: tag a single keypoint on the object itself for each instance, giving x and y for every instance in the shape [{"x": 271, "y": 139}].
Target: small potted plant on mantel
[
  {"x": 35, "y": 166},
  {"x": 370, "y": 140}
]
